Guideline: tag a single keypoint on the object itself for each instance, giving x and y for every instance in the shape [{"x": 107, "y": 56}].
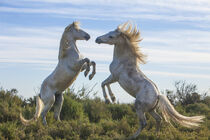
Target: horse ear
[
  {"x": 67, "y": 28},
  {"x": 74, "y": 23}
]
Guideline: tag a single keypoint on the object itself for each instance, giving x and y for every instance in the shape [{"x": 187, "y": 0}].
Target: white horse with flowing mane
[
  {"x": 70, "y": 64},
  {"x": 124, "y": 70}
]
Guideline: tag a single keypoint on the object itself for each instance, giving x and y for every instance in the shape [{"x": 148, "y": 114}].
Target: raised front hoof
[
  {"x": 86, "y": 73},
  {"x": 91, "y": 76},
  {"x": 107, "y": 101},
  {"x": 113, "y": 99}
]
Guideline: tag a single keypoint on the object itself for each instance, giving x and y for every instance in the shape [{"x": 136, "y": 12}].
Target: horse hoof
[
  {"x": 113, "y": 99},
  {"x": 86, "y": 73},
  {"x": 45, "y": 124},
  {"x": 91, "y": 76},
  {"x": 107, "y": 101}
]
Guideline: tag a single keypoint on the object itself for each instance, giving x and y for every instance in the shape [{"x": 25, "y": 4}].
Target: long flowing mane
[{"x": 132, "y": 36}]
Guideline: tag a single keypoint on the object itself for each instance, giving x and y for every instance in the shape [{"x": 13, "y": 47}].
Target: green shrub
[
  {"x": 107, "y": 125},
  {"x": 123, "y": 127},
  {"x": 197, "y": 108},
  {"x": 71, "y": 109},
  {"x": 96, "y": 110},
  {"x": 9, "y": 131},
  {"x": 206, "y": 100},
  {"x": 118, "y": 111},
  {"x": 92, "y": 119}
]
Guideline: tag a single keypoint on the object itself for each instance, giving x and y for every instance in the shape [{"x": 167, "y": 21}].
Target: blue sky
[{"x": 176, "y": 38}]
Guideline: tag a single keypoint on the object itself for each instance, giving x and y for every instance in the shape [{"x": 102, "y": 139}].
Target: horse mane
[{"x": 132, "y": 36}]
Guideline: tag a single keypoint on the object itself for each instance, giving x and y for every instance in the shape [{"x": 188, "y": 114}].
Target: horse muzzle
[
  {"x": 87, "y": 37},
  {"x": 98, "y": 40}
]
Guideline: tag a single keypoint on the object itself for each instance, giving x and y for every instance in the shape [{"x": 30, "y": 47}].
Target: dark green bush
[
  {"x": 206, "y": 100},
  {"x": 197, "y": 108},
  {"x": 96, "y": 110},
  {"x": 71, "y": 109},
  {"x": 118, "y": 111}
]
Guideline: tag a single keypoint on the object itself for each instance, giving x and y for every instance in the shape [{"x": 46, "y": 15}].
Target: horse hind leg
[
  {"x": 142, "y": 120},
  {"x": 58, "y": 105},
  {"x": 158, "y": 119},
  {"x": 48, "y": 103}
]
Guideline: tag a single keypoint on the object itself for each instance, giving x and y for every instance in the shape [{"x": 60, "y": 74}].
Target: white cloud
[
  {"x": 118, "y": 10},
  {"x": 28, "y": 41},
  {"x": 181, "y": 40},
  {"x": 186, "y": 5},
  {"x": 176, "y": 74},
  {"x": 161, "y": 56},
  {"x": 25, "y": 61},
  {"x": 98, "y": 14},
  {"x": 192, "y": 5}
]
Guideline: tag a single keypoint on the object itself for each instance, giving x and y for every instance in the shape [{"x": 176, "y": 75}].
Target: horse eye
[{"x": 110, "y": 36}]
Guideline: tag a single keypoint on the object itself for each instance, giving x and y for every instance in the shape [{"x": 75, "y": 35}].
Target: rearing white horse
[
  {"x": 124, "y": 70},
  {"x": 70, "y": 64}
]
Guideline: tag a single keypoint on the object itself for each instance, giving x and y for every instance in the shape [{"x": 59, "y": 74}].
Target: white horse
[
  {"x": 70, "y": 64},
  {"x": 124, "y": 70}
]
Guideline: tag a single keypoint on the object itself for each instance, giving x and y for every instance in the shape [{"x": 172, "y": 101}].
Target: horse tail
[
  {"x": 169, "y": 113},
  {"x": 39, "y": 107}
]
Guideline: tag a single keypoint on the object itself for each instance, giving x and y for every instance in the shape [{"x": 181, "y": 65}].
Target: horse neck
[
  {"x": 67, "y": 43},
  {"x": 122, "y": 52}
]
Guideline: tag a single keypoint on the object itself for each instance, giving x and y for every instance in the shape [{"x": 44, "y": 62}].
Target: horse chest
[
  {"x": 128, "y": 85},
  {"x": 71, "y": 62},
  {"x": 114, "y": 68},
  {"x": 63, "y": 77},
  {"x": 73, "y": 55}
]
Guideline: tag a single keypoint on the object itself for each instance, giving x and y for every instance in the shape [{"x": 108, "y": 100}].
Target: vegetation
[{"x": 84, "y": 118}]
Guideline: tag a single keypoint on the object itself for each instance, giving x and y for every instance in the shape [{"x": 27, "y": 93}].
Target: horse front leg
[
  {"x": 111, "y": 93},
  {"x": 108, "y": 81},
  {"x": 85, "y": 67},
  {"x": 93, "y": 64}
]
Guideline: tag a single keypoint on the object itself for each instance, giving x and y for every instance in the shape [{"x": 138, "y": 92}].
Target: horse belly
[
  {"x": 66, "y": 81},
  {"x": 129, "y": 85}
]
